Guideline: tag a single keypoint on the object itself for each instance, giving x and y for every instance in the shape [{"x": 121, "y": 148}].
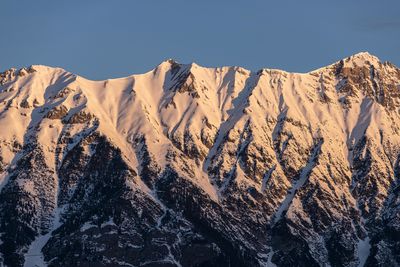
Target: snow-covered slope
[{"x": 194, "y": 166}]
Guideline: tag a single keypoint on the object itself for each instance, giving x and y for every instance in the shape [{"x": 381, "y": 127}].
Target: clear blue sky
[{"x": 106, "y": 39}]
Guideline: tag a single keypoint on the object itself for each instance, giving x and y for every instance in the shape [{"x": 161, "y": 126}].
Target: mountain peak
[
  {"x": 361, "y": 58},
  {"x": 169, "y": 61},
  {"x": 364, "y": 54}
]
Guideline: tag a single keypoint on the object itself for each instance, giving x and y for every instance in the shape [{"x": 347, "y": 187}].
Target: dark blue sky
[{"x": 106, "y": 39}]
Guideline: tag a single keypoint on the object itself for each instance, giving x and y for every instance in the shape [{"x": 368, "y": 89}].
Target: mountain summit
[{"x": 192, "y": 166}]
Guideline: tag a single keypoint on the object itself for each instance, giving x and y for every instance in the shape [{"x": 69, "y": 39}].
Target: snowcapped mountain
[{"x": 193, "y": 166}]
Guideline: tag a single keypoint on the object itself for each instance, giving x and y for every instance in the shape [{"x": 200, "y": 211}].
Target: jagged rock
[
  {"x": 79, "y": 117},
  {"x": 57, "y": 113}
]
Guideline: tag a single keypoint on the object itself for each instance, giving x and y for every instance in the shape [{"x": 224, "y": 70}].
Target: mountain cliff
[{"x": 194, "y": 166}]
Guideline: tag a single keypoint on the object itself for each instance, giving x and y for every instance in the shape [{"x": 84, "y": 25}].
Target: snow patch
[
  {"x": 363, "y": 250},
  {"x": 34, "y": 257}
]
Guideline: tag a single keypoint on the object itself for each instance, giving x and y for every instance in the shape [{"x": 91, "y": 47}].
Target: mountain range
[{"x": 193, "y": 166}]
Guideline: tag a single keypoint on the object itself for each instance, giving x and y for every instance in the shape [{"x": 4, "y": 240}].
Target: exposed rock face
[{"x": 193, "y": 166}]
